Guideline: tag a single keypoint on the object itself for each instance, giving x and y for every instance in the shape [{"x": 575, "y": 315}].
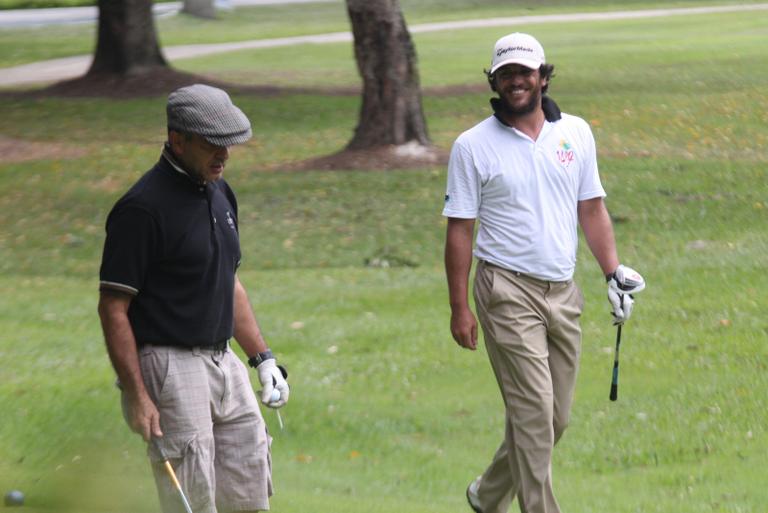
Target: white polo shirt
[{"x": 524, "y": 193}]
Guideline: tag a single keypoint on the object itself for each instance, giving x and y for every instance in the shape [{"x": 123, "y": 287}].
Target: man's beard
[{"x": 510, "y": 110}]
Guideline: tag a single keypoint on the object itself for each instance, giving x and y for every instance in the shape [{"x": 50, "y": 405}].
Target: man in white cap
[
  {"x": 170, "y": 300},
  {"x": 528, "y": 174}
]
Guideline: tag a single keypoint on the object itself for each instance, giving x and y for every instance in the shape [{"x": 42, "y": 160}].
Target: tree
[
  {"x": 391, "y": 112},
  {"x": 127, "y": 41}
]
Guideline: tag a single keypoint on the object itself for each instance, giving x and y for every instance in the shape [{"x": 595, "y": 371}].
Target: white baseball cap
[{"x": 517, "y": 48}]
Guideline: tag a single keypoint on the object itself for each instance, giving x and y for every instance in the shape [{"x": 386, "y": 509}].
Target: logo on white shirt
[{"x": 565, "y": 153}]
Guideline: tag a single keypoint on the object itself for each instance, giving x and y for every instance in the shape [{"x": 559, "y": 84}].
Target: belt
[
  {"x": 489, "y": 264},
  {"x": 220, "y": 346},
  {"x": 522, "y": 275}
]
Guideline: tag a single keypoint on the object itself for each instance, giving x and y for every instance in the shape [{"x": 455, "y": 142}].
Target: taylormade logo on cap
[{"x": 517, "y": 48}]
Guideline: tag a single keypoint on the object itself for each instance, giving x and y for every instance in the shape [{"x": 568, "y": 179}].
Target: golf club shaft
[
  {"x": 274, "y": 382},
  {"x": 615, "y": 378},
  {"x": 176, "y": 483},
  {"x": 172, "y": 475}
]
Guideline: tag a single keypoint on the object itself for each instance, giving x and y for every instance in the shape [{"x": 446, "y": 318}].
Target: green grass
[
  {"x": 386, "y": 413},
  {"x": 263, "y": 22}
]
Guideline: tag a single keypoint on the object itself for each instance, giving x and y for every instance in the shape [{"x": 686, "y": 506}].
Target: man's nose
[{"x": 222, "y": 152}]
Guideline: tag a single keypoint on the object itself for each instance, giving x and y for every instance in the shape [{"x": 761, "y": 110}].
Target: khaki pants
[
  {"x": 533, "y": 339},
  {"x": 213, "y": 431}
]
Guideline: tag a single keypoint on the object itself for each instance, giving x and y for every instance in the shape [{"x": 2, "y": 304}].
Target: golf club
[
  {"x": 172, "y": 475},
  {"x": 615, "y": 380},
  {"x": 276, "y": 395}
]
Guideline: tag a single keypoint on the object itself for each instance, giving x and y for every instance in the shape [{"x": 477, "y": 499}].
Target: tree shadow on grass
[
  {"x": 161, "y": 81},
  {"x": 382, "y": 158}
]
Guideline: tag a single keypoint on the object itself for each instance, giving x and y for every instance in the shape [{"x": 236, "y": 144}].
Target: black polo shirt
[{"x": 173, "y": 244}]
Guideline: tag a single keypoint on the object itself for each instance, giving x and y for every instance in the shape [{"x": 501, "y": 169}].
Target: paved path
[
  {"x": 71, "y": 67},
  {"x": 18, "y": 18}
]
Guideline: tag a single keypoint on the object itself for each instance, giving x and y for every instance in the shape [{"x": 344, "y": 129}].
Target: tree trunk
[
  {"x": 199, "y": 8},
  {"x": 391, "y": 110},
  {"x": 127, "y": 41}
]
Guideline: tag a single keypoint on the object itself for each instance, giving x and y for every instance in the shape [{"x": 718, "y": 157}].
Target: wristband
[{"x": 255, "y": 361}]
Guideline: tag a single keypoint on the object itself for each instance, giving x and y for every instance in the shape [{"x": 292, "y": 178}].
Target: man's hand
[
  {"x": 143, "y": 417},
  {"x": 464, "y": 328},
  {"x": 272, "y": 380},
  {"x": 622, "y": 283}
]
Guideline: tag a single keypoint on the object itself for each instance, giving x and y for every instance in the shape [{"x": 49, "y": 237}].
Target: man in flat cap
[{"x": 170, "y": 300}]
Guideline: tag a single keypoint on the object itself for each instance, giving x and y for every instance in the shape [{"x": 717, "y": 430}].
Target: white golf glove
[
  {"x": 274, "y": 387},
  {"x": 622, "y": 283}
]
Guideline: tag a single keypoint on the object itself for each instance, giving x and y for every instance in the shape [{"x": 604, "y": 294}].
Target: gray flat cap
[{"x": 209, "y": 112}]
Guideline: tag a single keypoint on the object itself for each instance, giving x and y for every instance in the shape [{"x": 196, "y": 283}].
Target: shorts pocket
[{"x": 155, "y": 366}]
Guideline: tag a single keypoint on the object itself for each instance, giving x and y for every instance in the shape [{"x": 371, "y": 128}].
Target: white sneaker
[{"x": 472, "y": 497}]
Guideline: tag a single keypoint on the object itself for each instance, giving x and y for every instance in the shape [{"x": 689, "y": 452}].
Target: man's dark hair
[{"x": 546, "y": 70}]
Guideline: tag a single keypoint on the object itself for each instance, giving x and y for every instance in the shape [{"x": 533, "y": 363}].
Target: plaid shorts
[{"x": 213, "y": 432}]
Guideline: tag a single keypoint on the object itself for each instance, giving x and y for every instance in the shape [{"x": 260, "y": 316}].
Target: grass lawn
[{"x": 386, "y": 413}]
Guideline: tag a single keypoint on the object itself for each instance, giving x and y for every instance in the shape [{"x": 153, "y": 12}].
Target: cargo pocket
[{"x": 191, "y": 457}]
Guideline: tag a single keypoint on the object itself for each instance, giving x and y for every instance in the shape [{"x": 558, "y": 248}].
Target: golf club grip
[{"x": 159, "y": 449}]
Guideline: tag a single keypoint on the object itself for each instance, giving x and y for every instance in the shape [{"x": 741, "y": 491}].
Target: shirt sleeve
[
  {"x": 130, "y": 247},
  {"x": 462, "y": 195},
  {"x": 589, "y": 180}
]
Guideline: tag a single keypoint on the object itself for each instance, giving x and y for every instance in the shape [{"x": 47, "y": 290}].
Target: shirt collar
[{"x": 175, "y": 164}]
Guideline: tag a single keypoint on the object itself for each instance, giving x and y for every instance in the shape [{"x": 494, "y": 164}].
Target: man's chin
[{"x": 520, "y": 109}]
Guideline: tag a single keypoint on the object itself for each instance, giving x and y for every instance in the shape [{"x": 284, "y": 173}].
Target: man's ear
[
  {"x": 491, "y": 80},
  {"x": 176, "y": 141}
]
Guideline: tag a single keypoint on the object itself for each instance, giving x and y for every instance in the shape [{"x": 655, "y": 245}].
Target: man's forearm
[
  {"x": 142, "y": 415},
  {"x": 247, "y": 330},
  {"x": 458, "y": 260},
  {"x": 121, "y": 344},
  {"x": 598, "y": 232}
]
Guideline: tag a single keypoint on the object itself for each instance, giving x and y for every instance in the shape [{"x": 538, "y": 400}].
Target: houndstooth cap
[{"x": 209, "y": 112}]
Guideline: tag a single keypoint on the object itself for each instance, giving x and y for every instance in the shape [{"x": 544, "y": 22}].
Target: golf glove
[
  {"x": 272, "y": 380},
  {"x": 622, "y": 283}
]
